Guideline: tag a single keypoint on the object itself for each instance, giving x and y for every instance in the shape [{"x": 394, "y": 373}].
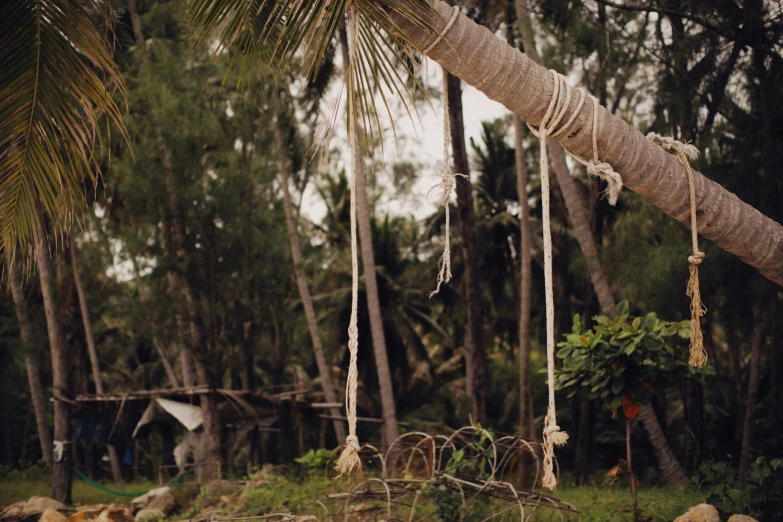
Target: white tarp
[{"x": 159, "y": 409}]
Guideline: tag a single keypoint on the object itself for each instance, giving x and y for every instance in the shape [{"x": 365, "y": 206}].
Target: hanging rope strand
[
  {"x": 441, "y": 191},
  {"x": 349, "y": 458},
  {"x": 558, "y": 105},
  {"x": 686, "y": 152}
]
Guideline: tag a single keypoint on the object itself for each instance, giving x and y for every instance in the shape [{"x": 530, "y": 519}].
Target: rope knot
[
  {"x": 697, "y": 258},
  {"x": 608, "y": 174},
  {"x": 674, "y": 146},
  {"x": 349, "y": 458}
]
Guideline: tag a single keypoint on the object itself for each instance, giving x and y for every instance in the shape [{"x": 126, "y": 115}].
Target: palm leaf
[
  {"x": 56, "y": 78},
  {"x": 278, "y": 32}
]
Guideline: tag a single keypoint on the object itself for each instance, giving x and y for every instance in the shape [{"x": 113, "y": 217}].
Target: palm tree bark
[
  {"x": 476, "y": 365},
  {"x": 388, "y": 408},
  {"x": 114, "y": 459},
  {"x": 526, "y": 424},
  {"x": 304, "y": 288},
  {"x": 526, "y": 284},
  {"x": 756, "y": 342},
  {"x": 37, "y": 396},
  {"x": 61, "y": 469},
  {"x": 669, "y": 466},
  {"x": 507, "y": 76}
]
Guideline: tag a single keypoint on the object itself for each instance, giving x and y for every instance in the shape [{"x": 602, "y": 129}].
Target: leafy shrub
[
  {"x": 316, "y": 459},
  {"x": 760, "y": 495},
  {"x": 622, "y": 361}
]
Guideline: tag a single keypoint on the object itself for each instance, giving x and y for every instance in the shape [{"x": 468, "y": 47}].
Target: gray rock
[
  {"x": 150, "y": 514},
  {"x": 161, "y": 499},
  {"x": 700, "y": 513}
]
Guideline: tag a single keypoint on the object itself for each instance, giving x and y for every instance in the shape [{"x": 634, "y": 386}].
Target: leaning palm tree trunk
[
  {"x": 31, "y": 364},
  {"x": 667, "y": 462},
  {"x": 304, "y": 288},
  {"x": 114, "y": 459},
  {"x": 61, "y": 468},
  {"x": 511, "y": 78},
  {"x": 388, "y": 408}
]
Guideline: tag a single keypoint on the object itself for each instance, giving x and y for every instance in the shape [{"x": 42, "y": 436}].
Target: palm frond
[
  {"x": 278, "y": 32},
  {"x": 56, "y": 80}
]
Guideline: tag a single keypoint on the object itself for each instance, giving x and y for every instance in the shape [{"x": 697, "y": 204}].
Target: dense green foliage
[{"x": 623, "y": 358}]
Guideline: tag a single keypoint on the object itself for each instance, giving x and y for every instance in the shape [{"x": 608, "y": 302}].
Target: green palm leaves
[
  {"x": 280, "y": 32},
  {"x": 56, "y": 76}
]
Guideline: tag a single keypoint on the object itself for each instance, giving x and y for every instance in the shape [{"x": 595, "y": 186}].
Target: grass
[
  {"x": 83, "y": 494},
  {"x": 281, "y": 494}
]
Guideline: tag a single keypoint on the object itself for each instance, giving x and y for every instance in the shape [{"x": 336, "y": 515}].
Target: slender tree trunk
[
  {"x": 171, "y": 374},
  {"x": 476, "y": 362},
  {"x": 301, "y": 282},
  {"x": 114, "y": 459},
  {"x": 507, "y": 76},
  {"x": 526, "y": 430},
  {"x": 208, "y": 365},
  {"x": 389, "y": 410},
  {"x": 526, "y": 414},
  {"x": 32, "y": 365},
  {"x": 631, "y": 478},
  {"x": 133, "y": 12},
  {"x": 756, "y": 342},
  {"x": 61, "y": 468},
  {"x": 670, "y": 468}
]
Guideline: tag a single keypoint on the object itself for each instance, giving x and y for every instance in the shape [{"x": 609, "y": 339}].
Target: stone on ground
[
  {"x": 161, "y": 499},
  {"x": 52, "y": 515},
  {"x": 742, "y": 518},
  {"x": 700, "y": 513}
]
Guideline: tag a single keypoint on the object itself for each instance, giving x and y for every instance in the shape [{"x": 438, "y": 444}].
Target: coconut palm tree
[
  {"x": 31, "y": 363},
  {"x": 509, "y": 77}
]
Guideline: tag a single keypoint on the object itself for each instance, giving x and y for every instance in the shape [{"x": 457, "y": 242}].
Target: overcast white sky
[{"x": 420, "y": 142}]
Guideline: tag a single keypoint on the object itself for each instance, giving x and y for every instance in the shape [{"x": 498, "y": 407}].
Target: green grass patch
[{"x": 83, "y": 494}]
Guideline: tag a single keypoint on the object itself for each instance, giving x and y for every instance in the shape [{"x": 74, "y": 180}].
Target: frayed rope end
[
  {"x": 698, "y": 358},
  {"x": 612, "y": 178},
  {"x": 349, "y": 458}
]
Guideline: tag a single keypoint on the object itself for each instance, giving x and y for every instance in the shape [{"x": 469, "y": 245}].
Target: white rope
[
  {"x": 442, "y": 35},
  {"x": 686, "y": 152},
  {"x": 558, "y": 104},
  {"x": 595, "y": 167},
  {"x": 58, "y": 449},
  {"x": 349, "y": 458},
  {"x": 441, "y": 191}
]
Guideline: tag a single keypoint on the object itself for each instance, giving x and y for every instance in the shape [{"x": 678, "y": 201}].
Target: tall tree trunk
[
  {"x": 756, "y": 342},
  {"x": 507, "y": 76},
  {"x": 37, "y": 396},
  {"x": 301, "y": 279},
  {"x": 476, "y": 360},
  {"x": 526, "y": 428},
  {"x": 114, "y": 459},
  {"x": 526, "y": 414},
  {"x": 208, "y": 365},
  {"x": 61, "y": 468},
  {"x": 669, "y": 466},
  {"x": 389, "y": 410}
]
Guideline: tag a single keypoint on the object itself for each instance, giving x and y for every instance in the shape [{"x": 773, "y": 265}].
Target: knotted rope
[
  {"x": 595, "y": 167},
  {"x": 441, "y": 191},
  {"x": 349, "y": 458},
  {"x": 686, "y": 152},
  {"x": 558, "y": 104}
]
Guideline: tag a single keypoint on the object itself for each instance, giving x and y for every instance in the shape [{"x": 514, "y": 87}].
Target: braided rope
[{"x": 686, "y": 152}]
